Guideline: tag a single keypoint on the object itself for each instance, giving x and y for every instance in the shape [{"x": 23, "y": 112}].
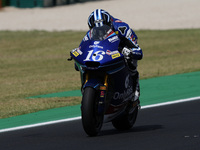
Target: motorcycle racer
[{"x": 128, "y": 45}]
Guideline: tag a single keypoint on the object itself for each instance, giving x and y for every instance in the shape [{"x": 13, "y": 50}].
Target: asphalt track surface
[{"x": 170, "y": 127}]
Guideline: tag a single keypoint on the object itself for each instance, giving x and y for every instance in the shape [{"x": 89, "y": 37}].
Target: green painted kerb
[
  {"x": 170, "y": 88},
  {"x": 154, "y": 90},
  {"x": 41, "y": 116}
]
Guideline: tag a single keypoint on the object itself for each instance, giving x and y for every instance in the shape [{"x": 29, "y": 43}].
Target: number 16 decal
[{"x": 97, "y": 56}]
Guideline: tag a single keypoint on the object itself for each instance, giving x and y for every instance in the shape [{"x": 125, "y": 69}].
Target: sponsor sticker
[
  {"x": 85, "y": 38},
  {"x": 113, "y": 39},
  {"x": 108, "y": 52},
  {"x": 75, "y": 53},
  {"x": 102, "y": 94},
  {"x": 96, "y": 46},
  {"x": 122, "y": 29},
  {"x": 98, "y": 21},
  {"x": 128, "y": 34},
  {"x": 118, "y": 21},
  {"x": 79, "y": 51},
  {"x": 115, "y": 55},
  {"x": 128, "y": 92},
  {"x": 96, "y": 42},
  {"x": 103, "y": 88}
]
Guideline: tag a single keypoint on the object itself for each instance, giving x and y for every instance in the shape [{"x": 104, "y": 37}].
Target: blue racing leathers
[{"x": 129, "y": 39}]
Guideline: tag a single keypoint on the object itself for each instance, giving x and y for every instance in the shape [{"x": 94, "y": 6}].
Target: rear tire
[
  {"x": 126, "y": 120},
  {"x": 91, "y": 120}
]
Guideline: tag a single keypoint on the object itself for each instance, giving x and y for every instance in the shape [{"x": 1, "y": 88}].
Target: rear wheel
[
  {"x": 127, "y": 119},
  {"x": 92, "y": 121}
]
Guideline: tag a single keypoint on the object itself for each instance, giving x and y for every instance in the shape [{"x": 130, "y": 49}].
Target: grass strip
[{"x": 35, "y": 63}]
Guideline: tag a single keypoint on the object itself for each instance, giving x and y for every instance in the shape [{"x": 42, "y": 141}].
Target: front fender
[{"x": 94, "y": 83}]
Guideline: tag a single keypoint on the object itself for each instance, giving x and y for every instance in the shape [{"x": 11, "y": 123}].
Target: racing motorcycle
[{"x": 107, "y": 87}]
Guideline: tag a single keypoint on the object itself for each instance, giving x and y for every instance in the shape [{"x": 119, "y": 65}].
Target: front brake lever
[{"x": 70, "y": 59}]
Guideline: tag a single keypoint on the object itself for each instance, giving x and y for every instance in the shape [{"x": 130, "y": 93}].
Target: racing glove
[
  {"x": 134, "y": 53},
  {"x": 126, "y": 52}
]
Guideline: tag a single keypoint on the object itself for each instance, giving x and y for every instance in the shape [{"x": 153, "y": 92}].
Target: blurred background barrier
[
  {"x": 38, "y": 3},
  {"x": 4, "y": 3}
]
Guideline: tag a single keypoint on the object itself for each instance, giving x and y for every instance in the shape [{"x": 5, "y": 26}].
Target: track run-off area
[{"x": 155, "y": 92}]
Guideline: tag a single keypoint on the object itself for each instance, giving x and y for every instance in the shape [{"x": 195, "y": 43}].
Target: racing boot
[{"x": 136, "y": 84}]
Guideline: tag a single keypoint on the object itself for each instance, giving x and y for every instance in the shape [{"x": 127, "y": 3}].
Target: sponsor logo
[
  {"x": 108, "y": 52},
  {"x": 113, "y": 39},
  {"x": 102, "y": 94},
  {"x": 79, "y": 51},
  {"x": 85, "y": 38},
  {"x": 128, "y": 92},
  {"x": 98, "y": 21},
  {"x": 95, "y": 46},
  {"x": 129, "y": 34},
  {"x": 109, "y": 31},
  {"x": 76, "y": 52},
  {"x": 125, "y": 95},
  {"x": 122, "y": 29},
  {"x": 103, "y": 88},
  {"x": 118, "y": 21},
  {"x": 115, "y": 55},
  {"x": 96, "y": 42}
]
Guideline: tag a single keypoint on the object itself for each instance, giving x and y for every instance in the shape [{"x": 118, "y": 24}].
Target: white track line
[
  {"x": 172, "y": 102},
  {"x": 77, "y": 118},
  {"x": 39, "y": 124}
]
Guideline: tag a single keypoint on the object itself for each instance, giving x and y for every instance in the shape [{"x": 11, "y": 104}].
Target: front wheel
[{"x": 92, "y": 121}]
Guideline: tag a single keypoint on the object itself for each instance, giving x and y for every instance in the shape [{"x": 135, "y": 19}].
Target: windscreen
[{"x": 100, "y": 33}]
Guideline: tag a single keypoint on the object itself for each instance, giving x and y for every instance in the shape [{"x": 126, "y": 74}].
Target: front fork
[
  {"x": 102, "y": 98},
  {"x": 101, "y": 93}
]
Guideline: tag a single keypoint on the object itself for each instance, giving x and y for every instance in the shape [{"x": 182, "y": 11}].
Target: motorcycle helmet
[{"x": 98, "y": 18}]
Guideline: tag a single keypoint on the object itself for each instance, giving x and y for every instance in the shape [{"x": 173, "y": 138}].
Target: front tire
[{"x": 91, "y": 120}]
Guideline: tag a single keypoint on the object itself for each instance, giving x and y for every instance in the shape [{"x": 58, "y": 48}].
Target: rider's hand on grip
[{"x": 126, "y": 52}]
